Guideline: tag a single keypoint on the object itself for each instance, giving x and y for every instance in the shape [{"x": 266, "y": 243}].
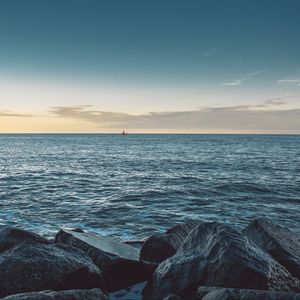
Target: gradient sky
[{"x": 150, "y": 66}]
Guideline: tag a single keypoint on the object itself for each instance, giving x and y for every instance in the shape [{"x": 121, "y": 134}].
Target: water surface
[{"x": 133, "y": 186}]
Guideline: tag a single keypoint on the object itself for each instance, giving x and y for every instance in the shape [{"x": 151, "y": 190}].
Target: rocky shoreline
[{"x": 193, "y": 261}]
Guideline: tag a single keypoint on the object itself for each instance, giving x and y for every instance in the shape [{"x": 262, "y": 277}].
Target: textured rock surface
[
  {"x": 95, "y": 294},
  {"x": 281, "y": 243},
  {"x": 11, "y": 237},
  {"x": 159, "y": 247},
  {"x": 218, "y": 255},
  {"x": 29, "y": 268},
  {"x": 118, "y": 262},
  {"x": 212, "y": 293}
]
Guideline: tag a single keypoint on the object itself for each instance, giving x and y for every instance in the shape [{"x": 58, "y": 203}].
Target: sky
[{"x": 155, "y": 66}]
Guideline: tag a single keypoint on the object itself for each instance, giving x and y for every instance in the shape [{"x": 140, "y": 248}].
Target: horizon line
[{"x": 137, "y": 133}]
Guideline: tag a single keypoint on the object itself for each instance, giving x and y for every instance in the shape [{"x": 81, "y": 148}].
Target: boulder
[
  {"x": 156, "y": 249},
  {"x": 159, "y": 247},
  {"x": 11, "y": 237},
  {"x": 95, "y": 294},
  {"x": 118, "y": 262},
  {"x": 38, "y": 267},
  {"x": 281, "y": 243},
  {"x": 213, "y": 293},
  {"x": 218, "y": 255}
]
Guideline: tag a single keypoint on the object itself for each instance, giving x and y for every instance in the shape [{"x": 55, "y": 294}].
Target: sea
[{"x": 130, "y": 187}]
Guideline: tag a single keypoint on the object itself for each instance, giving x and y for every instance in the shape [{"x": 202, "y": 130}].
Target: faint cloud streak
[
  {"x": 246, "y": 77},
  {"x": 210, "y": 52},
  {"x": 232, "y": 83},
  {"x": 238, "y": 64},
  {"x": 289, "y": 81},
  {"x": 7, "y": 113}
]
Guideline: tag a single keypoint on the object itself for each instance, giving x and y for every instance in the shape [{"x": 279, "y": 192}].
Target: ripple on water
[{"x": 133, "y": 187}]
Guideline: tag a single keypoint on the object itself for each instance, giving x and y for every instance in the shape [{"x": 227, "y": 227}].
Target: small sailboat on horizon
[{"x": 124, "y": 133}]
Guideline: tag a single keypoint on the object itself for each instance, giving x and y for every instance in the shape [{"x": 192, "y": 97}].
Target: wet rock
[
  {"x": 218, "y": 255},
  {"x": 213, "y": 293},
  {"x": 159, "y": 247},
  {"x": 118, "y": 262},
  {"x": 95, "y": 294},
  {"x": 11, "y": 237},
  {"x": 129, "y": 293},
  {"x": 281, "y": 243},
  {"x": 37, "y": 267}
]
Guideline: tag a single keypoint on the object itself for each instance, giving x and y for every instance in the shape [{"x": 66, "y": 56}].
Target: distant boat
[{"x": 124, "y": 133}]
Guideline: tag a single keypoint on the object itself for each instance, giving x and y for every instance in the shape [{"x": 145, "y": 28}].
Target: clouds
[
  {"x": 250, "y": 75},
  {"x": 275, "y": 101},
  {"x": 289, "y": 81},
  {"x": 244, "y": 78},
  {"x": 210, "y": 52},
  {"x": 271, "y": 103},
  {"x": 265, "y": 117},
  {"x": 232, "y": 83},
  {"x": 7, "y": 113},
  {"x": 113, "y": 109},
  {"x": 239, "y": 63},
  {"x": 283, "y": 82},
  {"x": 86, "y": 113},
  {"x": 271, "y": 116}
]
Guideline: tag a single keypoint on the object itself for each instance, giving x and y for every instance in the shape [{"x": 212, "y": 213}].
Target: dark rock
[
  {"x": 220, "y": 295},
  {"x": 129, "y": 293},
  {"x": 173, "y": 297},
  {"x": 156, "y": 249},
  {"x": 78, "y": 229},
  {"x": 281, "y": 243},
  {"x": 159, "y": 247},
  {"x": 218, "y": 255},
  {"x": 118, "y": 262},
  {"x": 213, "y": 293},
  {"x": 95, "y": 294},
  {"x": 37, "y": 267},
  {"x": 11, "y": 237}
]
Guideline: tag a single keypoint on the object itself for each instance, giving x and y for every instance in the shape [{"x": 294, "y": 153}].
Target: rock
[
  {"x": 135, "y": 244},
  {"x": 281, "y": 243},
  {"x": 156, "y": 249},
  {"x": 11, "y": 237},
  {"x": 173, "y": 297},
  {"x": 95, "y": 294},
  {"x": 118, "y": 262},
  {"x": 213, "y": 293},
  {"x": 220, "y": 294},
  {"x": 218, "y": 255},
  {"x": 37, "y": 267},
  {"x": 77, "y": 229},
  {"x": 159, "y": 247},
  {"x": 129, "y": 293}
]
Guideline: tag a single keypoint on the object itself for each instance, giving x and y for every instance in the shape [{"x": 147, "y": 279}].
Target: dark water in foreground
[{"x": 133, "y": 186}]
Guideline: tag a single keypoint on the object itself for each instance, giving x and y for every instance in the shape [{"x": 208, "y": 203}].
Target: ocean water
[{"x": 130, "y": 187}]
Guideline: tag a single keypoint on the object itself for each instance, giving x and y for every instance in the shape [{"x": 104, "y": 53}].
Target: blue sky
[{"x": 133, "y": 58}]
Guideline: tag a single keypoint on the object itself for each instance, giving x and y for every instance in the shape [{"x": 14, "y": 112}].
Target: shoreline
[{"x": 99, "y": 267}]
